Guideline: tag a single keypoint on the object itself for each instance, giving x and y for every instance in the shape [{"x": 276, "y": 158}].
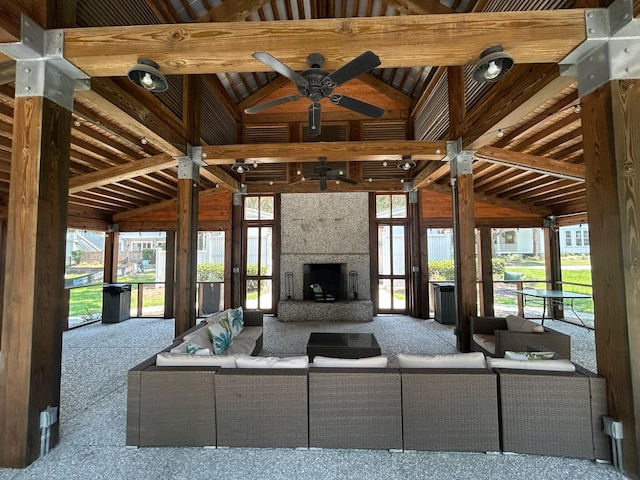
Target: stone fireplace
[{"x": 325, "y": 236}]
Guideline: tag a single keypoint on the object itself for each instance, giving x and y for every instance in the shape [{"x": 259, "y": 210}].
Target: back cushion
[
  {"x": 456, "y": 360},
  {"x": 520, "y": 324},
  {"x": 367, "y": 362},
  {"x": 246, "y": 361}
]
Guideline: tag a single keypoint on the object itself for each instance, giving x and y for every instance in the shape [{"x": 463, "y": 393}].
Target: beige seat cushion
[
  {"x": 520, "y": 324},
  {"x": 488, "y": 342}
]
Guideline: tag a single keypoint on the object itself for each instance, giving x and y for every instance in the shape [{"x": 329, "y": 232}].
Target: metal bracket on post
[
  {"x": 550, "y": 222},
  {"x": 461, "y": 160},
  {"x": 189, "y": 165},
  {"x": 41, "y": 69},
  {"x": 611, "y": 50}
]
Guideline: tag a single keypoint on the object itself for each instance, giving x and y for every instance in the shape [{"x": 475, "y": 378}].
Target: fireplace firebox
[{"x": 330, "y": 276}]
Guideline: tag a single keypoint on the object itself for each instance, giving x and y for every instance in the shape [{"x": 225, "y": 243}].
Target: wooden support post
[
  {"x": 31, "y": 351},
  {"x": 552, "y": 265},
  {"x": 610, "y": 123},
  {"x": 186, "y": 254},
  {"x": 463, "y": 214},
  {"x": 418, "y": 307},
  {"x": 485, "y": 248},
  {"x": 169, "y": 274},
  {"x": 3, "y": 256},
  {"x": 237, "y": 276},
  {"x": 111, "y": 257}
]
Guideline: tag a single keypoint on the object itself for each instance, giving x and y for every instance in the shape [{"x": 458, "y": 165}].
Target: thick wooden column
[
  {"x": 463, "y": 214},
  {"x": 237, "y": 275},
  {"x": 553, "y": 268},
  {"x": 170, "y": 274},
  {"x": 30, "y": 354},
  {"x": 186, "y": 254},
  {"x": 610, "y": 126},
  {"x": 111, "y": 246},
  {"x": 3, "y": 253},
  {"x": 418, "y": 306},
  {"x": 485, "y": 249}
]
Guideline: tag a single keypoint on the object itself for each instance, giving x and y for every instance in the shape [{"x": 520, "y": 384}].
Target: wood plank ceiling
[{"x": 526, "y": 128}]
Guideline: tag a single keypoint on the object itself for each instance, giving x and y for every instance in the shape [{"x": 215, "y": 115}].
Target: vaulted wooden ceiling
[{"x": 526, "y": 128}]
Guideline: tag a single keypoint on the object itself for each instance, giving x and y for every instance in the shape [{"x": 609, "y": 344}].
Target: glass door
[
  {"x": 258, "y": 268},
  {"x": 391, "y": 228}
]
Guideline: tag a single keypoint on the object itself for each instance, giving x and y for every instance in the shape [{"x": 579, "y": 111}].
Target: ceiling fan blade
[
  {"x": 357, "y": 105},
  {"x": 271, "y": 103},
  {"x": 314, "y": 119},
  {"x": 346, "y": 180},
  {"x": 323, "y": 183},
  {"x": 280, "y": 67},
  {"x": 361, "y": 64}
]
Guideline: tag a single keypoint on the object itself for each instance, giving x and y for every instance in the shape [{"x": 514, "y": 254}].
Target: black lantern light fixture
[
  {"x": 239, "y": 167},
  {"x": 494, "y": 63},
  {"x": 145, "y": 74},
  {"x": 406, "y": 163}
]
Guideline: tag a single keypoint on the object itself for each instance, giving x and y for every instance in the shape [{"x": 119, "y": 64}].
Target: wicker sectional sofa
[{"x": 437, "y": 409}]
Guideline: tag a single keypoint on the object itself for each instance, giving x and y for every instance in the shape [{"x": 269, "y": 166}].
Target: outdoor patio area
[{"x": 96, "y": 359}]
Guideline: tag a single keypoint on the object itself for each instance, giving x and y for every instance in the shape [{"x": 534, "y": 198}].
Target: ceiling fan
[
  {"x": 316, "y": 84},
  {"x": 324, "y": 173}
]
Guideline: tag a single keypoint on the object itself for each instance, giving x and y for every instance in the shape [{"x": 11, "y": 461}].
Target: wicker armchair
[{"x": 492, "y": 331}]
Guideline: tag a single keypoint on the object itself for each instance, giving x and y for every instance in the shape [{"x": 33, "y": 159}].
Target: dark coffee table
[{"x": 342, "y": 345}]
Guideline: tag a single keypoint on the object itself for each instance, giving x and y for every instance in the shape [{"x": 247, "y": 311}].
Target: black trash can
[
  {"x": 444, "y": 302},
  {"x": 116, "y": 302}
]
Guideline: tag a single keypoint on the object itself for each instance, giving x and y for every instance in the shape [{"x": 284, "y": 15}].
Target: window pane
[
  {"x": 211, "y": 256},
  {"x": 384, "y": 249},
  {"x": 399, "y": 295},
  {"x": 251, "y": 206},
  {"x": 383, "y": 206},
  {"x": 251, "y": 298},
  {"x": 384, "y": 294},
  {"x": 266, "y": 208},
  {"x": 399, "y": 206},
  {"x": 398, "y": 250},
  {"x": 265, "y": 298},
  {"x": 266, "y": 254},
  {"x": 252, "y": 250},
  {"x": 138, "y": 256}
]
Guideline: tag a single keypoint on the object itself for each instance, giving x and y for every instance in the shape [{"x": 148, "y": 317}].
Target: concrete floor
[{"x": 93, "y": 416}]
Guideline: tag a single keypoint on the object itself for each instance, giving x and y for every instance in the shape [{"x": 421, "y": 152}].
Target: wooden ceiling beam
[
  {"x": 415, "y": 7},
  {"x": 121, "y": 172},
  {"x": 386, "y": 89},
  {"x": 519, "y": 93},
  {"x": 374, "y": 150},
  {"x": 217, "y": 175},
  {"x": 544, "y": 36},
  {"x": 327, "y": 116},
  {"x": 232, "y": 11},
  {"x": 495, "y": 200},
  {"x": 543, "y": 165},
  {"x": 431, "y": 174},
  {"x": 173, "y": 202}
]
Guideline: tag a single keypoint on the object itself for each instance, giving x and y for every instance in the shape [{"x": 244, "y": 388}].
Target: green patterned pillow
[
  {"x": 220, "y": 335},
  {"x": 197, "y": 349},
  {"x": 528, "y": 355},
  {"x": 236, "y": 320}
]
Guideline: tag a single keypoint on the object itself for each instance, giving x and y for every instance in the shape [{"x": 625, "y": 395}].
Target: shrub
[
  {"x": 210, "y": 272},
  {"x": 148, "y": 254},
  {"x": 498, "y": 265},
  {"x": 76, "y": 256},
  {"x": 441, "y": 270}
]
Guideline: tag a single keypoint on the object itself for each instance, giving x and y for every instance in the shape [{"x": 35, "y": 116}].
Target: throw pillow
[
  {"x": 367, "y": 362},
  {"x": 220, "y": 335},
  {"x": 196, "y": 350},
  {"x": 528, "y": 355},
  {"x": 456, "y": 360},
  {"x": 236, "y": 320},
  {"x": 200, "y": 338},
  {"x": 520, "y": 324}
]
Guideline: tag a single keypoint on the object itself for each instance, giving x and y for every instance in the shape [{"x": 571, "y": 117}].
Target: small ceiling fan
[
  {"x": 324, "y": 173},
  {"x": 316, "y": 84}
]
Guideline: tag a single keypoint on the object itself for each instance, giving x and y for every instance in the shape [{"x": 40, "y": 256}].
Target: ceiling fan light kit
[
  {"x": 146, "y": 75},
  {"x": 494, "y": 63},
  {"x": 406, "y": 163},
  {"x": 316, "y": 84}
]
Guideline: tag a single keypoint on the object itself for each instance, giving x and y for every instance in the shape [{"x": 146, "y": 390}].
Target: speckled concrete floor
[{"x": 93, "y": 416}]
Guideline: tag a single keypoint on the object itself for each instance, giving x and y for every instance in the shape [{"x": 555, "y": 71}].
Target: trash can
[
  {"x": 116, "y": 302},
  {"x": 444, "y": 302}
]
